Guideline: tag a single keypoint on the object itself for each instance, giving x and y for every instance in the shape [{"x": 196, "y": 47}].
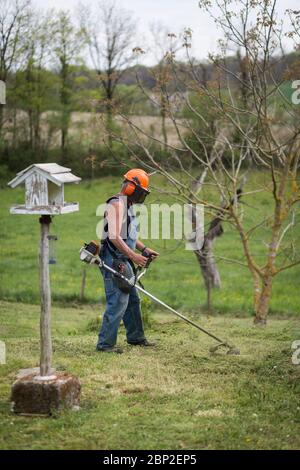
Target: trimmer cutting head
[{"x": 231, "y": 349}]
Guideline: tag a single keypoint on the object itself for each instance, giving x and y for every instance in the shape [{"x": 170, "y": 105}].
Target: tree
[
  {"x": 256, "y": 122},
  {"x": 109, "y": 33},
  {"x": 35, "y": 83},
  {"x": 68, "y": 43},
  {"x": 14, "y": 16},
  {"x": 162, "y": 72}
]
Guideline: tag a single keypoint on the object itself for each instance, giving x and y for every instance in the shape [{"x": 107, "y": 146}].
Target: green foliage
[
  {"x": 4, "y": 173},
  {"x": 133, "y": 101},
  {"x": 34, "y": 89},
  {"x": 42, "y": 104}
]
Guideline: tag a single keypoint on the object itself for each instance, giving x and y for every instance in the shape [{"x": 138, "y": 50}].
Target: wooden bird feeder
[
  {"x": 44, "y": 196},
  {"x": 44, "y": 189}
]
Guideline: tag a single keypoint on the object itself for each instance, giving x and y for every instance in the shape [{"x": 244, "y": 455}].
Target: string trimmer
[{"x": 89, "y": 254}]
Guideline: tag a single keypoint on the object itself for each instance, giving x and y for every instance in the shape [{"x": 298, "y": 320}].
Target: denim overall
[{"x": 119, "y": 305}]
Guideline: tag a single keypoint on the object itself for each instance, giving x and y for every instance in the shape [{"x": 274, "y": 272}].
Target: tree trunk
[
  {"x": 263, "y": 301},
  {"x": 163, "y": 123},
  {"x": 257, "y": 290},
  {"x": 65, "y": 103},
  {"x": 208, "y": 301},
  {"x": 15, "y": 129},
  {"x": 37, "y": 136},
  {"x": 109, "y": 125},
  {"x": 109, "y": 107},
  {"x": 30, "y": 123},
  {"x": 164, "y": 130},
  {"x": 64, "y": 134},
  {"x": 208, "y": 266}
]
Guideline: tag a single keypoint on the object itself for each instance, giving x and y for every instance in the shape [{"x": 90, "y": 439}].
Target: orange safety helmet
[
  {"x": 138, "y": 189},
  {"x": 138, "y": 177}
]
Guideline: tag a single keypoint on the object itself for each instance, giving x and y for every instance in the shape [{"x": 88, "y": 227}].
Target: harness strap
[{"x": 105, "y": 228}]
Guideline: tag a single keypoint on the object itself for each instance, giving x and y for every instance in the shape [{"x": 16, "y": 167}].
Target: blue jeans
[{"x": 119, "y": 306}]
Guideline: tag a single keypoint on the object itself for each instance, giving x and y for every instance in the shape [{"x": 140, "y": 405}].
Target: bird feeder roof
[{"x": 52, "y": 171}]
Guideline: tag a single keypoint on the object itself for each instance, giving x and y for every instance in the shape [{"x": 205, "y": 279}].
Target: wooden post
[{"x": 45, "y": 292}]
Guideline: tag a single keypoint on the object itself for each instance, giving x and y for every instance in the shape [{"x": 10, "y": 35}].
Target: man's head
[{"x": 135, "y": 185}]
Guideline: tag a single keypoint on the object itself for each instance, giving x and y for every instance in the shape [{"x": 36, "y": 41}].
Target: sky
[{"x": 175, "y": 15}]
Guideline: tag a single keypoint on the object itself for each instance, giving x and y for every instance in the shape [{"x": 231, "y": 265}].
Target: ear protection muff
[
  {"x": 135, "y": 193},
  {"x": 129, "y": 188}
]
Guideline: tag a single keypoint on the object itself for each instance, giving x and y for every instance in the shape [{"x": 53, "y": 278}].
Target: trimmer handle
[
  {"x": 142, "y": 271},
  {"x": 150, "y": 259}
]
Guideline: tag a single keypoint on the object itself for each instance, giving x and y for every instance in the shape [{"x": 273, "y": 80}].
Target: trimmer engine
[{"x": 89, "y": 253}]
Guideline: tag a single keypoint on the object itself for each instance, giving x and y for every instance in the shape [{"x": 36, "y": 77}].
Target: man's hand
[
  {"x": 148, "y": 252},
  {"x": 139, "y": 260}
]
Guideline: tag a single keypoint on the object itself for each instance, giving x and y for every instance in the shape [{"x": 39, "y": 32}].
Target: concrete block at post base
[{"x": 33, "y": 394}]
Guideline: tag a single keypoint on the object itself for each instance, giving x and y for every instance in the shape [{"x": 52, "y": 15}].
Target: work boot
[
  {"x": 144, "y": 344},
  {"x": 113, "y": 349}
]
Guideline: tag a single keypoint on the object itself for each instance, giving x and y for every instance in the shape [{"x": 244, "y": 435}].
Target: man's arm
[
  {"x": 140, "y": 246},
  {"x": 115, "y": 213}
]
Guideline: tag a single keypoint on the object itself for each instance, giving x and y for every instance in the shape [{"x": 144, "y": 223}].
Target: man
[{"x": 118, "y": 249}]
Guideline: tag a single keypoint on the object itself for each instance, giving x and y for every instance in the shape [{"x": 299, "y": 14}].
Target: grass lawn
[
  {"x": 175, "y": 277},
  {"x": 176, "y": 396}
]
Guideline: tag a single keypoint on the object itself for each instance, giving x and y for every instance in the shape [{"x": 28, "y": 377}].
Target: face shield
[{"x": 139, "y": 194}]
